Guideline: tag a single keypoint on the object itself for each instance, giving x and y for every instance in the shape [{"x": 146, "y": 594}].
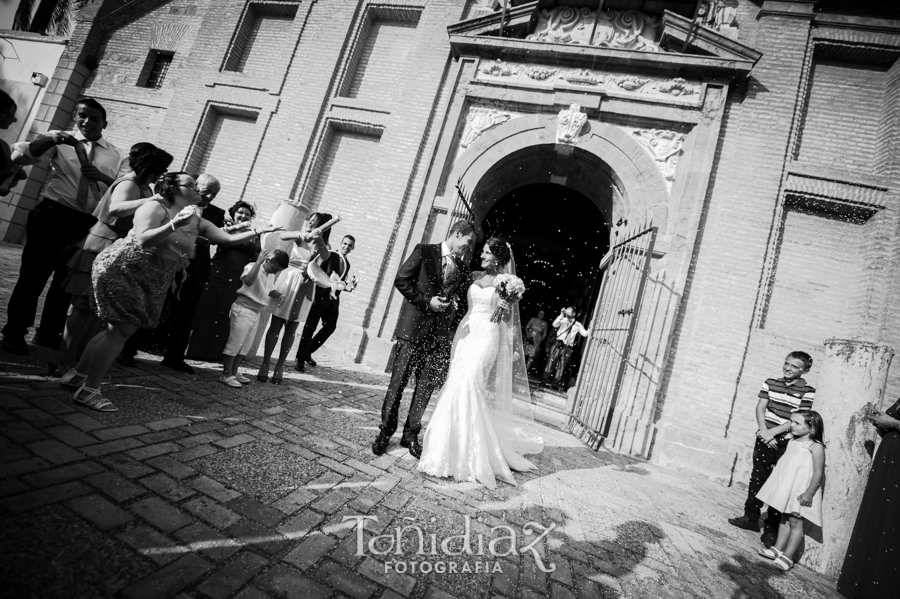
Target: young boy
[
  {"x": 778, "y": 399},
  {"x": 252, "y": 297}
]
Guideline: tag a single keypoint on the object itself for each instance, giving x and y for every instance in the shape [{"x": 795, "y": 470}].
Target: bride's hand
[{"x": 503, "y": 304}]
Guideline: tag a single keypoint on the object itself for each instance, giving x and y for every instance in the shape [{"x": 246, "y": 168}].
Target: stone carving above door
[
  {"x": 498, "y": 68},
  {"x": 570, "y": 123},
  {"x": 622, "y": 29},
  {"x": 664, "y": 146},
  {"x": 479, "y": 120}
]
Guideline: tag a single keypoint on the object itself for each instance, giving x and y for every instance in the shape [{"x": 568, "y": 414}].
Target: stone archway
[{"x": 605, "y": 164}]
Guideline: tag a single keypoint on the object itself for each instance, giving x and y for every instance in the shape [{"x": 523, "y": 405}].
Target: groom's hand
[{"x": 438, "y": 304}]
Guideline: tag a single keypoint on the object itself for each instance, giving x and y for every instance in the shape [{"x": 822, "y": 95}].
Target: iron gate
[{"x": 612, "y": 333}]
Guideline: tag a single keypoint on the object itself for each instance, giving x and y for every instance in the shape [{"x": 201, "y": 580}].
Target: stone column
[
  {"x": 291, "y": 217},
  {"x": 854, "y": 373}
]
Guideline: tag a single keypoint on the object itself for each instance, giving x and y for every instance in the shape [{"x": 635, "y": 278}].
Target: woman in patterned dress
[{"x": 130, "y": 278}]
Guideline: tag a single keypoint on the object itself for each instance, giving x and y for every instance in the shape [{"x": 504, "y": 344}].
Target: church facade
[{"x": 753, "y": 144}]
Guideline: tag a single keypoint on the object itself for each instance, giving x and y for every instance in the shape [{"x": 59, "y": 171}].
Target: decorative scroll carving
[
  {"x": 570, "y": 123},
  {"x": 583, "y": 77},
  {"x": 719, "y": 15},
  {"x": 631, "y": 83},
  {"x": 479, "y": 120},
  {"x": 499, "y": 68},
  {"x": 676, "y": 87},
  {"x": 664, "y": 146},
  {"x": 626, "y": 29},
  {"x": 540, "y": 73}
]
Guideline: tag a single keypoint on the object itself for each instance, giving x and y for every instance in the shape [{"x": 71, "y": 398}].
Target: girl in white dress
[
  {"x": 479, "y": 429},
  {"x": 795, "y": 486},
  {"x": 297, "y": 292}
]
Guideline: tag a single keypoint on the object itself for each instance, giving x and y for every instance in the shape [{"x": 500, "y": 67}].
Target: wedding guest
[
  {"x": 130, "y": 278},
  {"x": 211, "y": 323},
  {"x": 63, "y": 216},
  {"x": 535, "y": 333},
  {"x": 567, "y": 331},
  {"x": 871, "y": 567},
  {"x": 326, "y": 306},
  {"x": 257, "y": 286},
  {"x": 115, "y": 216},
  {"x": 10, "y": 172},
  {"x": 297, "y": 292},
  {"x": 174, "y": 331}
]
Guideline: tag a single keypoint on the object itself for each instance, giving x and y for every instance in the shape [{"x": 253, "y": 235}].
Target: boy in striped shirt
[{"x": 778, "y": 399}]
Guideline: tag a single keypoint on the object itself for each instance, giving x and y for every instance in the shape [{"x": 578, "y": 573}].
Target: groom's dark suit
[{"x": 423, "y": 337}]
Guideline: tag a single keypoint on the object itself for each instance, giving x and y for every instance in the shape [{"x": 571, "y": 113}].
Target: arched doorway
[{"x": 559, "y": 237}]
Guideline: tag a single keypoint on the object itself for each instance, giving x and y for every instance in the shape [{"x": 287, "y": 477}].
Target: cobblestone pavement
[{"x": 196, "y": 490}]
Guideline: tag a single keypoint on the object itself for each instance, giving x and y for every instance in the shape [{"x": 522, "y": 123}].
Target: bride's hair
[{"x": 500, "y": 249}]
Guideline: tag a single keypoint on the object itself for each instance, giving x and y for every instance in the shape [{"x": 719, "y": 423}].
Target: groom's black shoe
[
  {"x": 413, "y": 445},
  {"x": 380, "y": 445}
]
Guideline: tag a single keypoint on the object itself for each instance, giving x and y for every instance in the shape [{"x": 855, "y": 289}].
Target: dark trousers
[
  {"x": 764, "y": 459},
  {"x": 52, "y": 231},
  {"x": 558, "y": 361},
  {"x": 323, "y": 309},
  {"x": 428, "y": 360}
]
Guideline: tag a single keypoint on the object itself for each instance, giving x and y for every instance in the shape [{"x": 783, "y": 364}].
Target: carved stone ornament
[
  {"x": 719, "y": 15},
  {"x": 664, "y": 146},
  {"x": 479, "y": 120},
  {"x": 583, "y": 77},
  {"x": 570, "y": 124},
  {"x": 676, "y": 87},
  {"x": 498, "y": 68},
  {"x": 626, "y": 29},
  {"x": 540, "y": 73},
  {"x": 631, "y": 83}
]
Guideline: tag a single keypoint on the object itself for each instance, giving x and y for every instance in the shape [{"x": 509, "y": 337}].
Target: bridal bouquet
[{"x": 510, "y": 288}]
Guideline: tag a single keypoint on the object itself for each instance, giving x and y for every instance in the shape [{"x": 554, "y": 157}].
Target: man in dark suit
[
  {"x": 428, "y": 279},
  {"x": 326, "y": 308}
]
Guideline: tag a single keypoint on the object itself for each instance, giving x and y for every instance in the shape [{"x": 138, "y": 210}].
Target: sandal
[
  {"x": 783, "y": 563},
  {"x": 770, "y": 553},
  {"x": 72, "y": 379},
  {"x": 94, "y": 400}
]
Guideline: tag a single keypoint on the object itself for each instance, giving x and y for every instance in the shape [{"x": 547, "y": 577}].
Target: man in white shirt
[
  {"x": 567, "y": 331},
  {"x": 63, "y": 216}
]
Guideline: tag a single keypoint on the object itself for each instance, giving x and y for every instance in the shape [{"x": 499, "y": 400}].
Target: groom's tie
[{"x": 450, "y": 267}]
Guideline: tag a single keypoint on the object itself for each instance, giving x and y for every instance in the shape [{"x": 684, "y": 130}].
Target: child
[
  {"x": 778, "y": 399},
  {"x": 794, "y": 488},
  {"x": 252, "y": 297}
]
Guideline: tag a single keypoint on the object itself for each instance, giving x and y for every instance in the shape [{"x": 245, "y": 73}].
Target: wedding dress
[{"x": 481, "y": 425}]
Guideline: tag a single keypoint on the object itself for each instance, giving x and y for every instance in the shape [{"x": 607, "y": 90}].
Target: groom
[{"x": 428, "y": 279}]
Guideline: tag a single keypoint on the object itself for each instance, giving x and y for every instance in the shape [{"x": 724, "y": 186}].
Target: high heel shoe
[
  {"x": 278, "y": 376},
  {"x": 262, "y": 378},
  {"x": 72, "y": 379},
  {"x": 263, "y": 368}
]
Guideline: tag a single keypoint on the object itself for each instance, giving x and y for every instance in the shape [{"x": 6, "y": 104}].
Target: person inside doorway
[
  {"x": 567, "y": 331},
  {"x": 535, "y": 333}
]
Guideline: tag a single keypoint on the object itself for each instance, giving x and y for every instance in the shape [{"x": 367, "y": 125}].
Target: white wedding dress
[{"x": 470, "y": 437}]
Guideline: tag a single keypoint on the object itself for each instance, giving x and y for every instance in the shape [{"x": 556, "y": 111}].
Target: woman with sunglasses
[
  {"x": 211, "y": 324},
  {"x": 130, "y": 278}
]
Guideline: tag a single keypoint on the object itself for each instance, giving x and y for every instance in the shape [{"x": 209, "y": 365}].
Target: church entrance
[{"x": 559, "y": 237}]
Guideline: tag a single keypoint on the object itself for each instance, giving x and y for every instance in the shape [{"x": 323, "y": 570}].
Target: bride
[{"x": 481, "y": 425}]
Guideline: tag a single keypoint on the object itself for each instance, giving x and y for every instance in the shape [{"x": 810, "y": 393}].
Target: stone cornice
[
  {"x": 677, "y": 29},
  {"x": 518, "y": 16}
]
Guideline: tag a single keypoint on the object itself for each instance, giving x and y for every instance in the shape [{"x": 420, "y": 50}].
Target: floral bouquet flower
[{"x": 510, "y": 288}]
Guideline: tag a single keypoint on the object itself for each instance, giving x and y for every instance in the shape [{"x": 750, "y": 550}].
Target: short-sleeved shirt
[
  {"x": 257, "y": 294},
  {"x": 784, "y": 399}
]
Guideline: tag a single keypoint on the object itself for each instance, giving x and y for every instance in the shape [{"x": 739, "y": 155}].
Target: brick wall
[
  {"x": 265, "y": 34},
  {"x": 228, "y": 133},
  {"x": 382, "y": 60}
]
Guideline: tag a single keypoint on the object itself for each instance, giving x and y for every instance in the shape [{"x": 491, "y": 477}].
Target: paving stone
[
  {"x": 507, "y": 580},
  {"x": 346, "y": 552},
  {"x": 213, "y": 488},
  {"x": 200, "y": 451},
  {"x": 166, "y": 487},
  {"x": 162, "y": 436},
  {"x": 120, "y": 432},
  {"x": 21, "y": 432},
  {"x": 252, "y": 593},
  {"x": 159, "y": 425},
  {"x": 211, "y": 543},
  {"x": 114, "y": 486},
  {"x": 99, "y": 512},
  {"x": 211, "y": 511},
  {"x": 117, "y": 446},
  {"x": 291, "y": 584},
  {"x": 375, "y": 570},
  {"x": 12, "y": 487},
  {"x": 253, "y": 509},
  {"x": 52, "y": 405},
  {"x": 563, "y": 571},
  {"x": 150, "y": 543},
  {"x": 229, "y": 442},
  {"x": 20, "y": 467},
  {"x": 172, "y": 467},
  {"x": 32, "y": 500},
  {"x": 332, "y": 501},
  {"x": 198, "y": 439},
  {"x": 233, "y": 575},
  {"x": 364, "y": 468},
  {"x": 434, "y": 592},
  {"x": 257, "y": 536},
  {"x": 82, "y": 421},
  {"x": 38, "y": 418},
  {"x": 160, "y": 514},
  {"x": 310, "y": 551},
  {"x": 345, "y": 581},
  {"x": 127, "y": 466},
  {"x": 557, "y": 591},
  {"x": 62, "y": 474},
  {"x": 151, "y": 451},
  {"x": 301, "y": 524},
  {"x": 294, "y": 500},
  {"x": 70, "y": 435},
  {"x": 55, "y": 452},
  {"x": 169, "y": 580}
]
